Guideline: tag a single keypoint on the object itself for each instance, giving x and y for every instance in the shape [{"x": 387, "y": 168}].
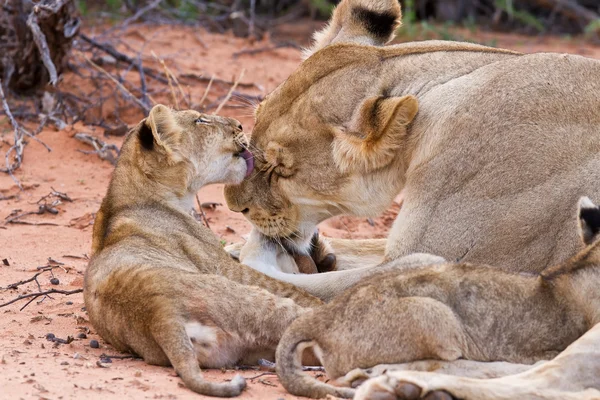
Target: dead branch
[
  {"x": 206, "y": 91},
  {"x": 35, "y": 295},
  {"x": 201, "y": 78},
  {"x": 46, "y": 204},
  {"x": 123, "y": 89},
  {"x": 201, "y": 214},
  {"x": 141, "y": 12},
  {"x": 39, "y": 293},
  {"x": 117, "y": 55},
  {"x": 265, "y": 49},
  {"x": 42, "y": 44},
  {"x": 228, "y": 96},
  {"x": 105, "y": 151},
  {"x": 18, "y": 144},
  {"x": 571, "y": 9}
]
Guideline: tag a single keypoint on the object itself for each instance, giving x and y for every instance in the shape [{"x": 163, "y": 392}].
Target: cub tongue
[{"x": 246, "y": 155}]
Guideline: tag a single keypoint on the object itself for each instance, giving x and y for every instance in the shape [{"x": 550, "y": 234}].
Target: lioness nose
[
  {"x": 238, "y": 198},
  {"x": 240, "y": 127}
]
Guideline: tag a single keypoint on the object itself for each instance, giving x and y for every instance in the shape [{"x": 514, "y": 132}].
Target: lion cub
[
  {"x": 448, "y": 312},
  {"x": 159, "y": 283}
]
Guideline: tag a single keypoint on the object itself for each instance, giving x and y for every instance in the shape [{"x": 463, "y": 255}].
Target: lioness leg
[
  {"x": 573, "y": 374},
  {"x": 349, "y": 253},
  {"x": 466, "y": 368},
  {"x": 356, "y": 253}
]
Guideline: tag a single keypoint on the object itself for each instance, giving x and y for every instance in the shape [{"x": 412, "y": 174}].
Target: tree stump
[{"x": 35, "y": 38}]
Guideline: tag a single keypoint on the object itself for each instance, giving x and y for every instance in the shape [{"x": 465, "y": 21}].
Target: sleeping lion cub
[
  {"x": 159, "y": 283},
  {"x": 449, "y": 312}
]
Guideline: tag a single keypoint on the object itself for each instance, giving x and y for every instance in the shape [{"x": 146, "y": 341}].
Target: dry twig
[
  {"x": 226, "y": 99},
  {"x": 39, "y": 293},
  {"x": 18, "y": 144},
  {"x": 123, "y": 89},
  {"x": 105, "y": 151},
  {"x": 201, "y": 213}
]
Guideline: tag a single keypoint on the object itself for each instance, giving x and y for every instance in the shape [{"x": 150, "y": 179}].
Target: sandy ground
[{"x": 32, "y": 367}]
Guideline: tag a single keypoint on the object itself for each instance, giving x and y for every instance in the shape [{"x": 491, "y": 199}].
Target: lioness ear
[
  {"x": 359, "y": 21},
  {"x": 160, "y": 131},
  {"x": 589, "y": 220},
  {"x": 376, "y": 133}
]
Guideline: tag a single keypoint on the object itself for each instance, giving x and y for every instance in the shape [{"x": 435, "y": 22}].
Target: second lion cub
[
  {"x": 159, "y": 283},
  {"x": 448, "y": 312}
]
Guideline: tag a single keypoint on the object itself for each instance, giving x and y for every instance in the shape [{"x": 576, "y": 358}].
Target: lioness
[
  {"x": 159, "y": 283},
  {"x": 447, "y": 312},
  {"x": 491, "y": 166}
]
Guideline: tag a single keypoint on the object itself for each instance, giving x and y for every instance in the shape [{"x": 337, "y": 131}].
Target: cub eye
[{"x": 202, "y": 120}]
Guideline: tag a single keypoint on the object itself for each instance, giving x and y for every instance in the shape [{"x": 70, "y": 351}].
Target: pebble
[
  {"x": 50, "y": 336},
  {"x": 94, "y": 344},
  {"x": 82, "y": 336},
  {"x": 54, "y": 281}
]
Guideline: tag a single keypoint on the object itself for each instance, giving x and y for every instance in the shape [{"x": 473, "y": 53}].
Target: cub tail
[
  {"x": 178, "y": 347},
  {"x": 288, "y": 357}
]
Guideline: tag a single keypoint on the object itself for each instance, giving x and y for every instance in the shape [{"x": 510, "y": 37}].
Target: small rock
[
  {"x": 94, "y": 344},
  {"x": 50, "y": 336},
  {"x": 102, "y": 365},
  {"x": 54, "y": 281},
  {"x": 137, "y": 374},
  {"x": 64, "y": 363},
  {"x": 69, "y": 303},
  {"x": 82, "y": 336}
]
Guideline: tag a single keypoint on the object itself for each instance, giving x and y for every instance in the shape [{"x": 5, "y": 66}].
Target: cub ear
[
  {"x": 589, "y": 220},
  {"x": 376, "y": 133},
  {"x": 359, "y": 21},
  {"x": 160, "y": 131}
]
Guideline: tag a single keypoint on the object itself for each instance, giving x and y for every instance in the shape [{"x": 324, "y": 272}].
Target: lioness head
[
  {"x": 185, "y": 150},
  {"x": 309, "y": 169},
  {"x": 321, "y": 148}
]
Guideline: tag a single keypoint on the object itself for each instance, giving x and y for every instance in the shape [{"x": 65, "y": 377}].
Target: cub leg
[{"x": 573, "y": 374}]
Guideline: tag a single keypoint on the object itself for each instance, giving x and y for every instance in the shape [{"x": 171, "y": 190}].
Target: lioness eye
[{"x": 202, "y": 120}]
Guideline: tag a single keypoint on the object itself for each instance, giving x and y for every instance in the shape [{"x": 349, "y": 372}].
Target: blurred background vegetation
[{"x": 565, "y": 17}]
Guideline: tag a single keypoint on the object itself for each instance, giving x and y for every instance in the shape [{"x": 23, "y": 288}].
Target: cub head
[
  {"x": 185, "y": 150},
  {"x": 588, "y": 221}
]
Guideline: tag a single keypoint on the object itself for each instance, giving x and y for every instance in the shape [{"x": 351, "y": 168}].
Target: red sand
[{"x": 31, "y": 366}]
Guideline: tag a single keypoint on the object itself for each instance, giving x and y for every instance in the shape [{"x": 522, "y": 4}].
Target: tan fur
[
  {"x": 572, "y": 375},
  {"x": 159, "y": 283},
  {"x": 345, "y": 27},
  {"x": 491, "y": 166},
  {"x": 445, "y": 312}
]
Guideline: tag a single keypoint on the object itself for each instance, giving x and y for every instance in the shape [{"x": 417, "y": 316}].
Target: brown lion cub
[
  {"x": 159, "y": 283},
  {"x": 448, "y": 312}
]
